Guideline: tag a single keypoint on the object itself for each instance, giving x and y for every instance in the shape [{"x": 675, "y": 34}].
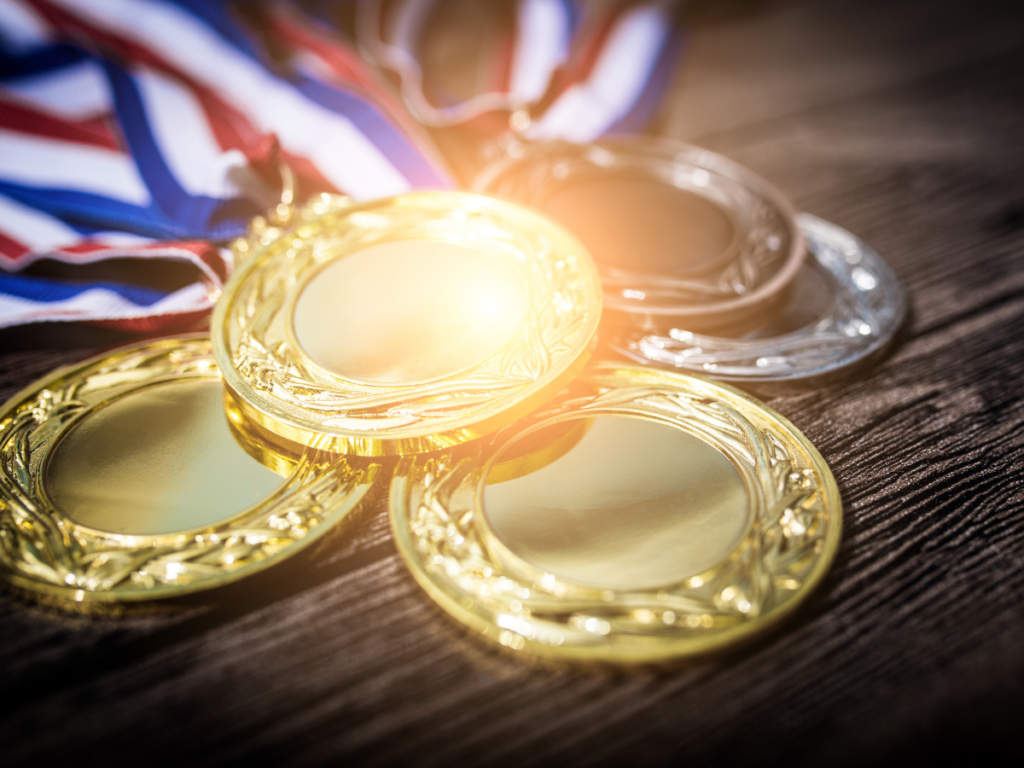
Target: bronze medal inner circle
[
  {"x": 643, "y": 224},
  {"x": 634, "y": 504},
  {"x": 408, "y": 312}
]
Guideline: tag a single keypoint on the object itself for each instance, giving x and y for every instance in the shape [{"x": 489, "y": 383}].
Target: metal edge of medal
[
  {"x": 78, "y": 598},
  {"x": 461, "y": 606},
  {"x": 366, "y": 443},
  {"x": 764, "y": 379},
  {"x": 722, "y": 312},
  {"x": 863, "y": 337}
]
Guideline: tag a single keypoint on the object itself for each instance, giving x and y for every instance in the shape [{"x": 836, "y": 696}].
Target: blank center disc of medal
[
  {"x": 643, "y": 225},
  {"x": 633, "y": 505},
  {"x": 409, "y": 311},
  {"x": 160, "y": 460}
]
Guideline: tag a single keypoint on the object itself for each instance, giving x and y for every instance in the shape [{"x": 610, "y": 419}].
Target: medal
[
  {"x": 406, "y": 324},
  {"x": 677, "y": 516},
  {"x": 864, "y": 308},
  {"x": 606, "y": 513},
  {"x": 704, "y": 269},
  {"x": 123, "y": 479},
  {"x": 682, "y": 236}
]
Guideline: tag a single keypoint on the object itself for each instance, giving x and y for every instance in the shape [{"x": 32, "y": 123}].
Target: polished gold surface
[
  {"x": 124, "y": 479},
  {"x": 409, "y": 312},
  {"x": 633, "y": 505},
  {"x": 687, "y": 516},
  {"x": 403, "y": 325},
  {"x": 157, "y": 460},
  {"x": 536, "y": 450},
  {"x": 270, "y": 450}
]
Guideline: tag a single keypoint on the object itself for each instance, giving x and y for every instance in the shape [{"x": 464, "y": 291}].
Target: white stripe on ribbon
[
  {"x": 100, "y": 304},
  {"x": 46, "y": 236},
  {"x": 42, "y": 233},
  {"x": 21, "y": 27},
  {"x": 180, "y": 128},
  {"x": 586, "y": 110},
  {"x": 75, "y": 92},
  {"x": 42, "y": 162},
  {"x": 405, "y": 25},
  {"x": 340, "y": 152},
  {"x": 542, "y": 45}
]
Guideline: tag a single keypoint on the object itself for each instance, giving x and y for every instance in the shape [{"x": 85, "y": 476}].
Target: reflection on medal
[
  {"x": 677, "y": 516},
  {"x": 864, "y": 308},
  {"x": 123, "y": 480},
  {"x": 406, "y": 324},
  {"x": 682, "y": 236}
]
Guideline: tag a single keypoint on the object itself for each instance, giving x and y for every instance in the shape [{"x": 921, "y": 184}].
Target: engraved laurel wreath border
[
  {"x": 791, "y": 539},
  {"x": 265, "y": 360},
  {"x": 43, "y": 551}
]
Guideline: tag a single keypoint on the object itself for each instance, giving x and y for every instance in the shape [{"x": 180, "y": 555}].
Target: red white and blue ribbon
[
  {"x": 138, "y": 133},
  {"x": 29, "y": 236},
  {"x": 579, "y": 70},
  {"x": 143, "y": 130},
  {"x": 391, "y": 33},
  {"x": 616, "y": 82}
]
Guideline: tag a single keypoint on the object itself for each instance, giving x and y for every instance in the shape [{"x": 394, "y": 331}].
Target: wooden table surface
[{"x": 903, "y": 122}]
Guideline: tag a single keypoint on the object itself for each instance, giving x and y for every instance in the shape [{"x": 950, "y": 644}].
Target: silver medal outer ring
[
  {"x": 867, "y": 307},
  {"x": 765, "y": 256}
]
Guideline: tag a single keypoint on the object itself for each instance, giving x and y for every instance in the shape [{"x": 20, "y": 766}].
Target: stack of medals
[{"x": 558, "y": 479}]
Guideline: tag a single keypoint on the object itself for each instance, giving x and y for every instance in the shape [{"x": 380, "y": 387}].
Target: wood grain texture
[{"x": 901, "y": 122}]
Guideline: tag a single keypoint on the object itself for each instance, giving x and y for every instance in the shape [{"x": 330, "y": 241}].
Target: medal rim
[
  {"x": 815, "y": 228},
  {"x": 462, "y": 606},
  {"x": 714, "y": 313},
  {"x": 310, "y": 467},
  {"x": 305, "y": 428}
]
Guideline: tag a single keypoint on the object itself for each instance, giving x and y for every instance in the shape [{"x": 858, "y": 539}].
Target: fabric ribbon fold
[{"x": 138, "y": 133}]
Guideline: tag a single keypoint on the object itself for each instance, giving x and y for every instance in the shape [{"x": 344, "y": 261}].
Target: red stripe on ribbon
[
  {"x": 153, "y": 323},
  {"x": 11, "y": 249},
  {"x": 95, "y": 132},
  {"x": 586, "y": 53},
  {"x": 230, "y": 127},
  {"x": 350, "y": 69}
]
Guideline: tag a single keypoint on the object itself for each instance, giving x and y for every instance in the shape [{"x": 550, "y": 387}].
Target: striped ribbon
[
  {"x": 134, "y": 131},
  {"x": 136, "y": 134},
  {"x": 572, "y": 71}
]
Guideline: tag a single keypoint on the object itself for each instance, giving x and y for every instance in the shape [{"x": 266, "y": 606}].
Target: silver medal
[{"x": 865, "y": 306}]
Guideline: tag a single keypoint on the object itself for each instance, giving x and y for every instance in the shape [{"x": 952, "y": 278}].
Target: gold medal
[
  {"x": 404, "y": 325},
  {"x": 675, "y": 516},
  {"x": 123, "y": 479}
]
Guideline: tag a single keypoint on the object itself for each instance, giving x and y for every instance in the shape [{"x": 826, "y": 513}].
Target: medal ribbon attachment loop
[{"x": 572, "y": 70}]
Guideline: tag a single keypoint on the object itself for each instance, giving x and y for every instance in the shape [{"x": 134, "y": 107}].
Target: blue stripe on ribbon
[
  {"x": 378, "y": 129},
  {"x": 363, "y": 113},
  {"x": 200, "y": 216},
  {"x": 45, "y": 290},
  {"x": 97, "y": 211},
  {"x": 573, "y": 14},
  {"x": 39, "y": 60},
  {"x": 80, "y": 228}
]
